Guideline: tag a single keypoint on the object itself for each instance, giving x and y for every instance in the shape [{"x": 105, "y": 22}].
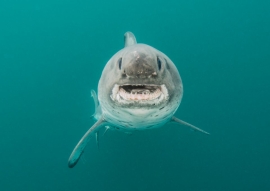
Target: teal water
[{"x": 52, "y": 54}]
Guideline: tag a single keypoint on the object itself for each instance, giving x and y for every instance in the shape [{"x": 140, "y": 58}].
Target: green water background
[{"x": 52, "y": 54}]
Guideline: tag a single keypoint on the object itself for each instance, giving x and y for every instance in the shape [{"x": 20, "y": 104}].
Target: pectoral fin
[
  {"x": 179, "y": 121},
  {"x": 78, "y": 150}
]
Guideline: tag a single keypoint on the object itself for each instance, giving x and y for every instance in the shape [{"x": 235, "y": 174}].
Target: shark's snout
[
  {"x": 139, "y": 65},
  {"x": 139, "y": 70}
]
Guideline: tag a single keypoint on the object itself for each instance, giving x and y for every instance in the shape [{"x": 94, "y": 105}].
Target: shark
[{"x": 140, "y": 88}]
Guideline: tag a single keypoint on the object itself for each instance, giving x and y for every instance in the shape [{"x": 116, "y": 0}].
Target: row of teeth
[
  {"x": 122, "y": 96},
  {"x": 146, "y": 95}
]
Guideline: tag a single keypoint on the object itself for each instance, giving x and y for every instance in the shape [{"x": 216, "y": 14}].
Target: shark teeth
[
  {"x": 145, "y": 95},
  {"x": 152, "y": 94},
  {"x": 115, "y": 91}
]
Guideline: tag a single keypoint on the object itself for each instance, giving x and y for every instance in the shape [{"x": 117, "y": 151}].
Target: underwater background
[{"x": 52, "y": 54}]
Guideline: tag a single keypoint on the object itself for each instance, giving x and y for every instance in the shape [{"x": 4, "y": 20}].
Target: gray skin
[
  {"x": 139, "y": 62},
  {"x": 142, "y": 68}
]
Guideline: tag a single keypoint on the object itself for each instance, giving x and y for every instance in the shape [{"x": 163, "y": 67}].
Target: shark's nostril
[{"x": 124, "y": 74}]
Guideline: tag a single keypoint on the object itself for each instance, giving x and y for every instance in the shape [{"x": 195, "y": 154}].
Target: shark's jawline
[{"x": 140, "y": 93}]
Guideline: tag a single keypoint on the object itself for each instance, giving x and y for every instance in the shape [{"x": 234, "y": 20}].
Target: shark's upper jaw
[{"x": 141, "y": 94}]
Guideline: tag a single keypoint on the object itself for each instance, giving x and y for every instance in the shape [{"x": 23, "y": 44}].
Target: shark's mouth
[{"x": 145, "y": 94}]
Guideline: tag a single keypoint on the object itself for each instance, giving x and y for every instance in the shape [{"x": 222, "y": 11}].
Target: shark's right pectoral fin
[
  {"x": 179, "y": 121},
  {"x": 78, "y": 150}
]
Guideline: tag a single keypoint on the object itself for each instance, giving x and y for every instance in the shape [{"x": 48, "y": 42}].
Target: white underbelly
[{"x": 136, "y": 119}]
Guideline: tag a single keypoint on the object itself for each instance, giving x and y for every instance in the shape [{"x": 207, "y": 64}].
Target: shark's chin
[{"x": 139, "y": 94}]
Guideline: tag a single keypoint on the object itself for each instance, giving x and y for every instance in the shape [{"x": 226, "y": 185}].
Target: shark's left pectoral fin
[
  {"x": 78, "y": 150},
  {"x": 179, "y": 121}
]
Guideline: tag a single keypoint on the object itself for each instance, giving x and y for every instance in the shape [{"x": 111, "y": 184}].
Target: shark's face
[
  {"x": 140, "y": 78},
  {"x": 140, "y": 87}
]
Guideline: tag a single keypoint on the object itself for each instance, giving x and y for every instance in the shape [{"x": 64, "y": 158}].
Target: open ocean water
[{"x": 52, "y": 54}]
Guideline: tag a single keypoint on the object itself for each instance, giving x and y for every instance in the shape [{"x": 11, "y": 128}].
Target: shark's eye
[
  {"x": 120, "y": 63},
  {"x": 159, "y": 63}
]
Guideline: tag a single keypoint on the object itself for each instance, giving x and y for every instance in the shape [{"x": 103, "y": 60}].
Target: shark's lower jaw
[{"x": 139, "y": 94}]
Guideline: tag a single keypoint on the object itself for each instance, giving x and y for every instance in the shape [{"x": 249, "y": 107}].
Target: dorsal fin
[{"x": 129, "y": 39}]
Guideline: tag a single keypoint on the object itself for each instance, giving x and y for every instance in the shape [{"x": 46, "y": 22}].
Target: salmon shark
[{"x": 140, "y": 88}]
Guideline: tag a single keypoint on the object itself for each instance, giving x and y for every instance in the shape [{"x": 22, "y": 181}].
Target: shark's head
[{"x": 138, "y": 85}]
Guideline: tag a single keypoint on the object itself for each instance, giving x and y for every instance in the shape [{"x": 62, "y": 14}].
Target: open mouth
[{"x": 139, "y": 93}]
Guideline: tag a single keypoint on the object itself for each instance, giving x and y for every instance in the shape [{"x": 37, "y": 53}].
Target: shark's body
[{"x": 140, "y": 88}]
